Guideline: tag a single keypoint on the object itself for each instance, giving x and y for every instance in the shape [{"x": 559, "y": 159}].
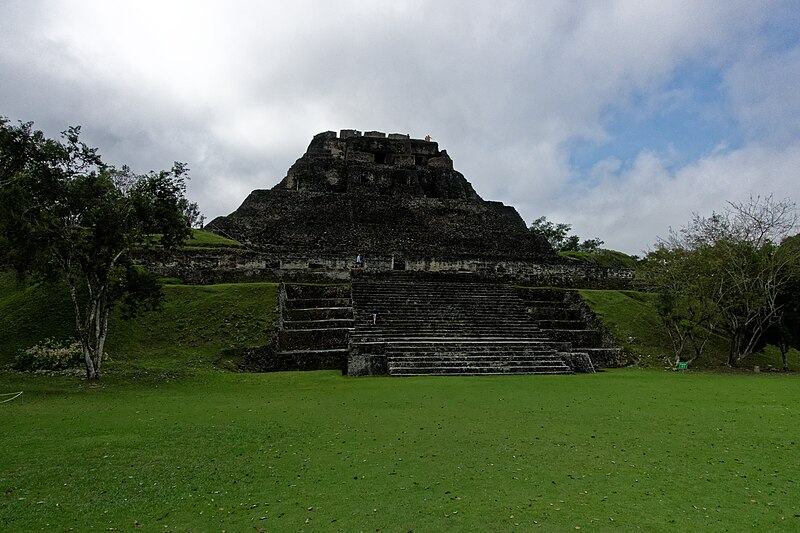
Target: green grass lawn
[
  {"x": 171, "y": 441},
  {"x": 620, "y": 450}
]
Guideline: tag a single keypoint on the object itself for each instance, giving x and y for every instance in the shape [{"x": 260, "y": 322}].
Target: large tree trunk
[
  {"x": 102, "y": 332},
  {"x": 733, "y": 350},
  {"x": 784, "y": 347}
]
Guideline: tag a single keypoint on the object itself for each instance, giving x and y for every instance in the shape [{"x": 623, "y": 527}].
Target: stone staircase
[
  {"x": 564, "y": 316},
  {"x": 450, "y": 325},
  {"x": 314, "y": 327}
]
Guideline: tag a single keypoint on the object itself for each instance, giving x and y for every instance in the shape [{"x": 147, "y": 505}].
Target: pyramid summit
[{"x": 397, "y": 203}]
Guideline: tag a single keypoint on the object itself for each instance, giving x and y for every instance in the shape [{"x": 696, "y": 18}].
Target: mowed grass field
[
  {"x": 620, "y": 450},
  {"x": 173, "y": 440}
]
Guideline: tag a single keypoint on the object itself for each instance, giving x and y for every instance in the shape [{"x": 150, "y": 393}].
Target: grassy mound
[
  {"x": 200, "y": 325},
  {"x": 30, "y": 314},
  {"x": 622, "y": 450},
  {"x": 205, "y": 239}
]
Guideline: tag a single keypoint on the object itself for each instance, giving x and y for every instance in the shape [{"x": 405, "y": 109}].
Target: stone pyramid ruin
[
  {"x": 396, "y": 201},
  {"x": 435, "y": 290}
]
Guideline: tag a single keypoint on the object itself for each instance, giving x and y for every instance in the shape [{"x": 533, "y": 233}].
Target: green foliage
[
  {"x": 633, "y": 318},
  {"x": 621, "y": 450},
  {"x": 725, "y": 272},
  {"x": 66, "y": 215},
  {"x": 50, "y": 354},
  {"x": 603, "y": 258},
  {"x": 557, "y": 234}
]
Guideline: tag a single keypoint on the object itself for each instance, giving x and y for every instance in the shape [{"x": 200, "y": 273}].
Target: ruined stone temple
[
  {"x": 396, "y": 201},
  {"x": 435, "y": 293}
]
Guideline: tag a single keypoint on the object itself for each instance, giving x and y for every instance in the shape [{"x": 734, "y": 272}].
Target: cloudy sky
[{"x": 619, "y": 117}]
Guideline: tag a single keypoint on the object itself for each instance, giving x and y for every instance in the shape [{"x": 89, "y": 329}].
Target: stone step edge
[
  {"x": 532, "y": 373},
  {"x": 313, "y": 352},
  {"x": 455, "y": 340}
]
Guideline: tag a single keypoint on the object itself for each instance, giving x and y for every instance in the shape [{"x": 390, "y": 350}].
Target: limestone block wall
[{"x": 220, "y": 265}]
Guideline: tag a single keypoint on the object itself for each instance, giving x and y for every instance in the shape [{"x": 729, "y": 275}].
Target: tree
[
  {"x": 557, "y": 234},
  {"x": 686, "y": 300},
  {"x": 785, "y": 333},
  {"x": 731, "y": 264},
  {"x": 65, "y": 215}
]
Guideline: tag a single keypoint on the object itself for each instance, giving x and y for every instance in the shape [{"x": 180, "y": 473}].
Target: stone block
[
  {"x": 346, "y": 134},
  {"x": 360, "y": 157},
  {"x": 399, "y": 136},
  {"x": 375, "y": 134},
  {"x": 443, "y": 161},
  {"x": 366, "y": 365},
  {"x": 424, "y": 147},
  {"x": 404, "y": 160}
]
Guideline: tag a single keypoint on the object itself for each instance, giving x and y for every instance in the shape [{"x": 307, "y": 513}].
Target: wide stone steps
[
  {"x": 330, "y": 323},
  {"x": 454, "y": 338},
  {"x": 430, "y": 327},
  {"x": 471, "y": 364},
  {"x": 554, "y": 313},
  {"x": 311, "y": 303},
  {"x": 318, "y": 313},
  {"x": 450, "y": 325}
]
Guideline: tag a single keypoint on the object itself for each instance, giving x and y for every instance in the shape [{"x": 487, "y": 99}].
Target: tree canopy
[
  {"x": 557, "y": 234},
  {"x": 66, "y": 215},
  {"x": 726, "y": 272}
]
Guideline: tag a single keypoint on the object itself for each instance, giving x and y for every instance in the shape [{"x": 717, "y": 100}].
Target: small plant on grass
[{"x": 50, "y": 354}]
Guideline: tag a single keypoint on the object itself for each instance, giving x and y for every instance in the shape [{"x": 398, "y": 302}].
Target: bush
[{"x": 50, "y": 355}]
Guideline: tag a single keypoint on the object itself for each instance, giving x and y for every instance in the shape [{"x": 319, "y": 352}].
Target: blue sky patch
[{"x": 683, "y": 120}]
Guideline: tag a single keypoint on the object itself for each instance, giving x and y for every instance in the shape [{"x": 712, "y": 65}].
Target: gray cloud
[{"x": 237, "y": 89}]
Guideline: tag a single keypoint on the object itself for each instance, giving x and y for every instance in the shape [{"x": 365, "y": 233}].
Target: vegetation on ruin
[
  {"x": 603, "y": 258},
  {"x": 557, "y": 234},
  {"x": 206, "y": 239},
  {"x": 621, "y": 450}
]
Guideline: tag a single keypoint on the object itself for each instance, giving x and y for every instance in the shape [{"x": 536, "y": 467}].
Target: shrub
[{"x": 50, "y": 354}]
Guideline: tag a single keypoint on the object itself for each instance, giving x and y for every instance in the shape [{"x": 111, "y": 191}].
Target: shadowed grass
[
  {"x": 621, "y": 450},
  {"x": 30, "y": 314},
  {"x": 198, "y": 325}
]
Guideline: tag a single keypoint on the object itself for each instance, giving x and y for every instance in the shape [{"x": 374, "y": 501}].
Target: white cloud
[{"x": 631, "y": 207}]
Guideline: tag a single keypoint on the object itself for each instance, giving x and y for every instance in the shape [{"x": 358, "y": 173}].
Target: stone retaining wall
[{"x": 220, "y": 265}]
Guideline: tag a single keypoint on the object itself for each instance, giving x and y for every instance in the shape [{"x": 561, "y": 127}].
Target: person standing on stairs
[{"x": 374, "y": 316}]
